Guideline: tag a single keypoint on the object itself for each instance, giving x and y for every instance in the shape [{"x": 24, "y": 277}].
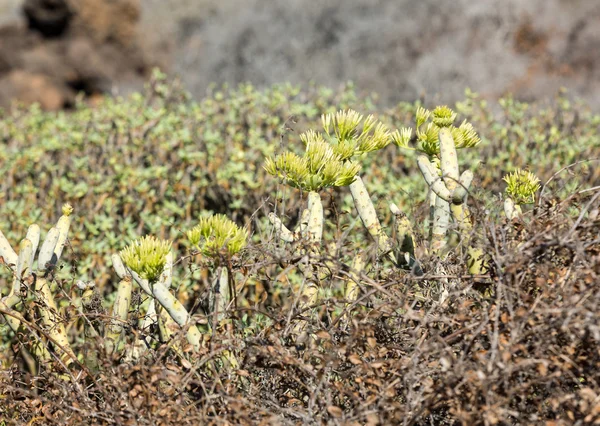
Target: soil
[
  {"x": 401, "y": 49},
  {"x": 64, "y": 47}
]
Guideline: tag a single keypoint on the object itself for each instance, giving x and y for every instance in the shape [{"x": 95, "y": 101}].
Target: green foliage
[
  {"x": 320, "y": 167},
  {"x": 215, "y": 233},
  {"x": 522, "y": 186},
  {"x": 147, "y": 257}
]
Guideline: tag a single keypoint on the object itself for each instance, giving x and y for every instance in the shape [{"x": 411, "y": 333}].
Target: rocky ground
[
  {"x": 55, "y": 49},
  {"x": 401, "y": 49}
]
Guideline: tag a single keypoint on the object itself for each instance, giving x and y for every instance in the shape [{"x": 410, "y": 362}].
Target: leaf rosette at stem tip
[
  {"x": 428, "y": 125},
  {"x": 443, "y": 116},
  {"x": 351, "y": 134},
  {"x": 522, "y": 186},
  {"x": 147, "y": 257},
  {"x": 320, "y": 167},
  {"x": 216, "y": 233},
  {"x": 67, "y": 209}
]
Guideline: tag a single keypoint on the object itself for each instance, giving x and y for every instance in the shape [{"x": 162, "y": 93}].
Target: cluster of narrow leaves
[
  {"x": 146, "y": 256},
  {"x": 320, "y": 167},
  {"x": 427, "y": 132},
  {"x": 521, "y": 186},
  {"x": 215, "y": 233}
]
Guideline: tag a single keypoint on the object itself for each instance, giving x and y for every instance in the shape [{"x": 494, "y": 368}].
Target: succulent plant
[
  {"x": 353, "y": 135},
  {"x": 521, "y": 187},
  {"x": 147, "y": 257},
  {"x": 214, "y": 236},
  {"x": 149, "y": 262},
  {"x": 29, "y": 281},
  {"x": 438, "y": 140},
  {"x": 320, "y": 167},
  {"x": 216, "y": 233}
]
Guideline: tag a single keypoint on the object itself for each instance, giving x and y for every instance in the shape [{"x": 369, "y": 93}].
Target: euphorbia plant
[
  {"x": 320, "y": 167},
  {"x": 347, "y": 136},
  {"x": 219, "y": 238},
  {"x": 438, "y": 139},
  {"x": 35, "y": 282},
  {"x": 149, "y": 262},
  {"x": 521, "y": 187},
  {"x": 352, "y": 136}
]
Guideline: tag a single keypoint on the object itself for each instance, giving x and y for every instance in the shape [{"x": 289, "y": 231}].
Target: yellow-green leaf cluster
[
  {"x": 351, "y": 134},
  {"x": 428, "y": 124},
  {"x": 320, "y": 166},
  {"x": 443, "y": 116},
  {"x": 216, "y": 233},
  {"x": 147, "y": 256},
  {"x": 67, "y": 209},
  {"x": 522, "y": 186}
]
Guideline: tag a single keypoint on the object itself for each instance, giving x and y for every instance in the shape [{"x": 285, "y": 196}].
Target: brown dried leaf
[
  {"x": 355, "y": 359},
  {"x": 335, "y": 411}
]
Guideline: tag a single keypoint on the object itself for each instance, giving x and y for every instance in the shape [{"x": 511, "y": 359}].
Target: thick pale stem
[
  {"x": 457, "y": 185},
  {"x": 462, "y": 189},
  {"x": 51, "y": 320},
  {"x": 282, "y": 231},
  {"x": 222, "y": 295},
  {"x": 441, "y": 222},
  {"x": 118, "y": 266},
  {"x": 435, "y": 183},
  {"x": 315, "y": 217},
  {"x": 167, "y": 327},
  {"x": 62, "y": 225},
  {"x": 303, "y": 224},
  {"x": 167, "y": 300},
  {"x": 47, "y": 255},
  {"x": 7, "y": 252},
  {"x": 511, "y": 210},
  {"x": 119, "y": 312},
  {"x": 368, "y": 215},
  {"x": 145, "y": 324},
  {"x": 449, "y": 160},
  {"x": 352, "y": 282},
  {"x": 33, "y": 235},
  {"x": 143, "y": 283},
  {"x": 23, "y": 269},
  {"x": 24, "y": 261},
  {"x": 404, "y": 237},
  {"x": 176, "y": 310},
  {"x": 178, "y": 313}
]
